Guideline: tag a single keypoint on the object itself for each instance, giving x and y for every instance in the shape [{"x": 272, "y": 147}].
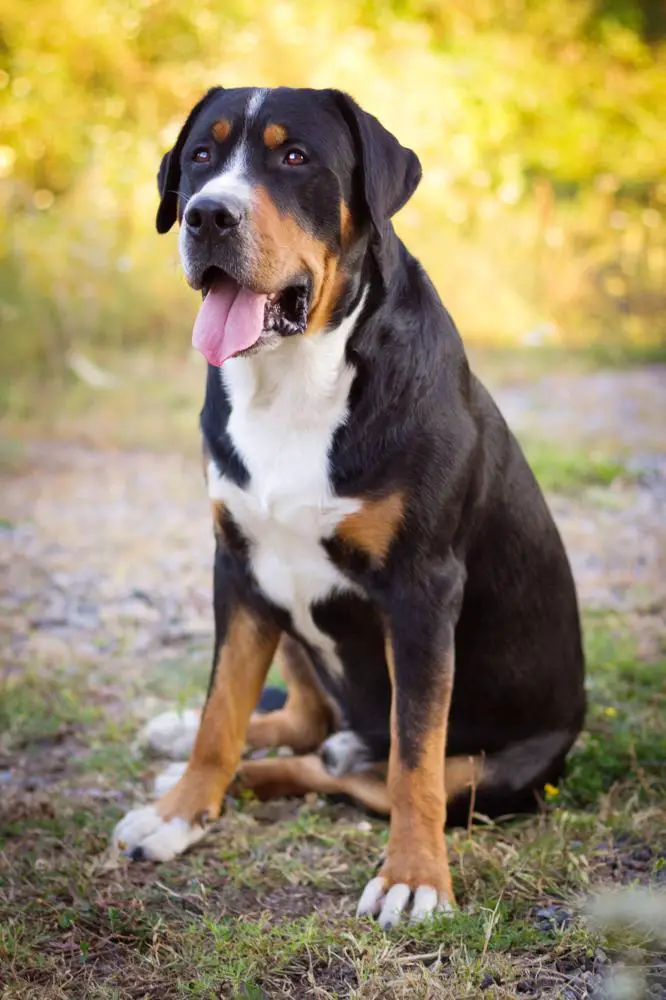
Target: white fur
[
  {"x": 344, "y": 753},
  {"x": 171, "y": 734},
  {"x": 285, "y": 408},
  {"x": 233, "y": 181},
  {"x": 169, "y": 778},
  {"x": 390, "y": 904},
  {"x": 257, "y": 98},
  {"x": 158, "y": 839}
]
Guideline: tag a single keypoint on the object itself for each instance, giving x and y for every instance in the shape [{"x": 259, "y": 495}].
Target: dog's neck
[{"x": 303, "y": 373}]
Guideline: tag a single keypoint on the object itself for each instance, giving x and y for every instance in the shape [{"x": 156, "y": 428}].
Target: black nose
[{"x": 209, "y": 217}]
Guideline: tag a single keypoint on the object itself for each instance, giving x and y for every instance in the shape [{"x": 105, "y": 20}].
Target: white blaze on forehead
[
  {"x": 257, "y": 98},
  {"x": 233, "y": 180}
]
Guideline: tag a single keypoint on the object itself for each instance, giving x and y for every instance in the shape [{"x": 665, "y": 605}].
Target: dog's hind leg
[
  {"x": 282, "y": 776},
  {"x": 306, "y": 718}
]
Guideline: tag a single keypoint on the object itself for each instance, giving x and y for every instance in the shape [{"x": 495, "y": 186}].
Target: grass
[
  {"x": 263, "y": 908},
  {"x": 564, "y": 470}
]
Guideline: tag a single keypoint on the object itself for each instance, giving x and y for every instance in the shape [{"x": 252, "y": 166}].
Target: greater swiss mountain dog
[{"x": 376, "y": 523}]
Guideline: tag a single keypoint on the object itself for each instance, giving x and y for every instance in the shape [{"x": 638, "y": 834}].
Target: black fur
[{"x": 477, "y": 569}]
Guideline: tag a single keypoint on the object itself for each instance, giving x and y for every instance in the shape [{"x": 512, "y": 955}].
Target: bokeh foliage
[{"x": 539, "y": 122}]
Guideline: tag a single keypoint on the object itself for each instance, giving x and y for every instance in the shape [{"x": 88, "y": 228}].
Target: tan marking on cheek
[
  {"x": 241, "y": 669},
  {"x": 285, "y": 250},
  {"x": 274, "y": 135},
  {"x": 346, "y": 225},
  {"x": 218, "y": 511},
  {"x": 327, "y": 293},
  {"x": 221, "y": 129},
  {"x": 373, "y": 527}
]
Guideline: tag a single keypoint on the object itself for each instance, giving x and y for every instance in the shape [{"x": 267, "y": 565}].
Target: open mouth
[
  {"x": 233, "y": 318},
  {"x": 286, "y": 312}
]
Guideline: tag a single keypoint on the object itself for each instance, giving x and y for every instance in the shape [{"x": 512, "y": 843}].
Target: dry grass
[{"x": 264, "y": 907}]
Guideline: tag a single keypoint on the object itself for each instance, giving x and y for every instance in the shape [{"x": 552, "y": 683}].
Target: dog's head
[{"x": 281, "y": 196}]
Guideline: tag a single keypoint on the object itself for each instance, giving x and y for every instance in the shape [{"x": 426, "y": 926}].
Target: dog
[{"x": 376, "y": 523}]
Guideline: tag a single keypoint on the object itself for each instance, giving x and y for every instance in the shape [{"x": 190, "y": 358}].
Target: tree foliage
[{"x": 499, "y": 98}]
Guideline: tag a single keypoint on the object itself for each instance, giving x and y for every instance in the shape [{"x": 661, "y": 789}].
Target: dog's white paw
[
  {"x": 171, "y": 734},
  {"x": 169, "y": 777},
  {"x": 391, "y": 904},
  {"x": 143, "y": 835},
  {"x": 344, "y": 753}
]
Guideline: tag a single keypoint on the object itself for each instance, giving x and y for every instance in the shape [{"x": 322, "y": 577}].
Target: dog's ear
[
  {"x": 389, "y": 172},
  {"x": 168, "y": 176}
]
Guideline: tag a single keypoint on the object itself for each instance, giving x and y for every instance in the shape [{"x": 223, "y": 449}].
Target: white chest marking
[{"x": 285, "y": 407}]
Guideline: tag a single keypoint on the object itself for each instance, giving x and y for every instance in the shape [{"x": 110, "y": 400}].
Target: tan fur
[
  {"x": 279, "y": 776},
  {"x": 307, "y": 717},
  {"x": 300, "y": 775},
  {"x": 373, "y": 527},
  {"x": 346, "y": 225},
  {"x": 221, "y": 129},
  {"x": 217, "y": 510},
  {"x": 416, "y": 853},
  {"x": 274, "y": 135},
  {"x": 285, "y": 250},
  {"x": 241, "y": 669}
]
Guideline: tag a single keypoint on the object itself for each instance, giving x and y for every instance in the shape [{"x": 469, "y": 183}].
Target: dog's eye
[
  {"x": 295, "y": 158},
  {"x": 201, "y": 155}
]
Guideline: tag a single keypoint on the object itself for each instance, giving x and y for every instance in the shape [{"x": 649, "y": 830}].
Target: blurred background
[
  {"x": 539, "y": 123},
  {"x": 541, "y": 219}
]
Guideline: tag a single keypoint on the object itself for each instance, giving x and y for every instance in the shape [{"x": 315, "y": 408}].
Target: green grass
[
  {"x": 561, "y": 470},
  {"x": 264, "y": 907}
]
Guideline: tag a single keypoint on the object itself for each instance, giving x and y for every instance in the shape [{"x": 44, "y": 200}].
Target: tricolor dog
[{"x": 376, "y": 524}]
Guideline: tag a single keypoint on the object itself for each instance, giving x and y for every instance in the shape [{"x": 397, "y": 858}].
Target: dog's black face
[{"x": 279, "y": 193}]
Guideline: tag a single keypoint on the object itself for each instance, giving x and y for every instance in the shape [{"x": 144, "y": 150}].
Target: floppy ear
[
  {"x": 390, "y": 172},
  {"x": 168, "y": 177}
]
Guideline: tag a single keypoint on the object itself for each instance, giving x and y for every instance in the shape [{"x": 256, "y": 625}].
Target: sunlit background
[{"x": 539, "y": 123}]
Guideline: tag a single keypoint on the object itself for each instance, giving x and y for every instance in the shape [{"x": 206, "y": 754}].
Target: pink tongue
[{"x": 230, "y": 320}]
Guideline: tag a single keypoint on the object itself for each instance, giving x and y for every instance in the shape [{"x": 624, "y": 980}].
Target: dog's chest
[{"x": 285, "y": 410}]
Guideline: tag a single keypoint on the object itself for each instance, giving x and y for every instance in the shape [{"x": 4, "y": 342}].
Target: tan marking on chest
[{"x": 373, "y": 527}]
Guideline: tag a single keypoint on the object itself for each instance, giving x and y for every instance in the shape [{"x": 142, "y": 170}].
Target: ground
[{"x": 106, "y": 561}]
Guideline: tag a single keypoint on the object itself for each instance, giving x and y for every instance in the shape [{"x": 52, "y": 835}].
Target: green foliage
[
  {"x": 625, "y": 735},
  {"x": 538, "y": 123}
]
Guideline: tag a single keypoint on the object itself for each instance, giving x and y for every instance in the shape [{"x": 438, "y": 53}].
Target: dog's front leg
[
  {"x": 245, "y": 644},
  {"x": 420, "y": 658}
]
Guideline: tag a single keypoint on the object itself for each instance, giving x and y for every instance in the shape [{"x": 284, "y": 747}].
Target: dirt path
[{"x": 110, "y": 552}]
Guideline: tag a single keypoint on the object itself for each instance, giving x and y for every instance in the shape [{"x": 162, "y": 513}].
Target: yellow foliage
[{"x": 537, "y": 123}]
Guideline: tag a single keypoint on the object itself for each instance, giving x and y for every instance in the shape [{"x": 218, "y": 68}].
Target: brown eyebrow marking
[
  {"x": 221, "y": 129},
  {"x": 274, "y": 135}
]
